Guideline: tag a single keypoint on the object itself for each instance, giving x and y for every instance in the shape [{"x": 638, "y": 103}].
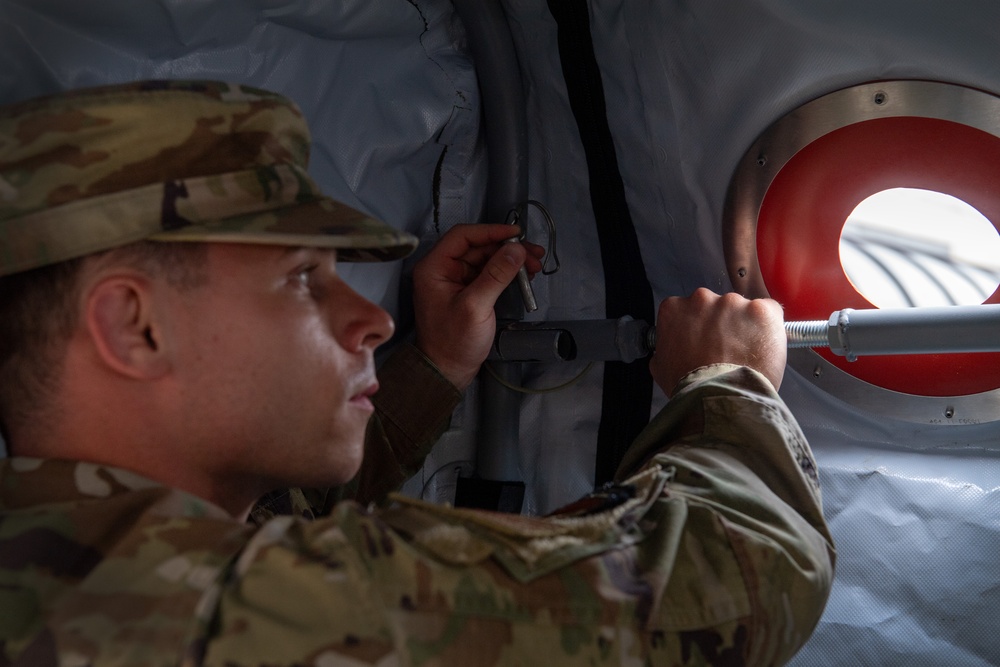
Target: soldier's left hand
[{"x": 455, "y": 289}]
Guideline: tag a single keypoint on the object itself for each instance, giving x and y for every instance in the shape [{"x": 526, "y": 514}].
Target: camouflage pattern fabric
[
  {"x": 710, "y": 550},
  {"x": 94, "y": 169}
]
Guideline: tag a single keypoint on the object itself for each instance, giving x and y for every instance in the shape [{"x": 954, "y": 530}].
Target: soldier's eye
[{"x": 304, "y": 275}]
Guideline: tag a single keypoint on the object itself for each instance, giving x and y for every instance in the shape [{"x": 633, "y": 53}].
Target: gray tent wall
[{"x": 391, "y": 93}]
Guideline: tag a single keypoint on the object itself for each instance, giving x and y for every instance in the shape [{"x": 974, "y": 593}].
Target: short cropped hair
[{"x": 39, "y": 313}]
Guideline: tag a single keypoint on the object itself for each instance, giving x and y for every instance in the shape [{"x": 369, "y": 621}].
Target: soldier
[{"x": 176, "y": 343}]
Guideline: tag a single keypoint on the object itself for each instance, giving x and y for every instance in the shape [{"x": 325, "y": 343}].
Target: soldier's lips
[{"x": 362, "y": 399}]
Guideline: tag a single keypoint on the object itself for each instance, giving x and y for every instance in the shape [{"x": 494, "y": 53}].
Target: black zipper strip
[{"x": 628, "y": 388}]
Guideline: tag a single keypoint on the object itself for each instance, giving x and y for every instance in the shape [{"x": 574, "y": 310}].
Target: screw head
[{"x": 880, "y": 98}]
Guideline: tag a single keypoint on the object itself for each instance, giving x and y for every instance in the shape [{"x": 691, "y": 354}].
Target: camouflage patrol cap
[{"x": 90, "y": 170}]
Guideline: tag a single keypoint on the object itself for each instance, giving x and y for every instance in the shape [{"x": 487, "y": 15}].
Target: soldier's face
[{"x": 277, "y": 360}]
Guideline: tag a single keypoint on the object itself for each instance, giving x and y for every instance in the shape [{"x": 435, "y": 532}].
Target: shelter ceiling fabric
[{"x": 393, "y": 102}]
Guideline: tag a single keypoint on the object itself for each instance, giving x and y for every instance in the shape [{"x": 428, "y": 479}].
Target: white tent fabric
[{"x": 391, "y": 93}]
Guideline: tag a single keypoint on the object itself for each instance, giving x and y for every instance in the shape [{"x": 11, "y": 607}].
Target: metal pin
[{"x": 523, "y": 282}]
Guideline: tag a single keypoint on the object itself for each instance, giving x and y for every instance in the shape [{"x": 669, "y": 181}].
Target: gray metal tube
[
  {"x": 506, "y": 128},
  {"x": 849, "y": 333},
  {"x": 533, "y": 345},
  {"x": 625, "y": 339},
  {"x": 947, "y": 329}
]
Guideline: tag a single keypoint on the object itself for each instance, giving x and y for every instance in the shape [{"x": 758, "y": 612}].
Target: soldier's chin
[
  {"x": 340, "y": 462},
  {"x": 348, "y": 460}
]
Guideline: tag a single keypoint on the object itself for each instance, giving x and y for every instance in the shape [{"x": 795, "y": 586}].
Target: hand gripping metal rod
[{"x": 849, "y": 333}]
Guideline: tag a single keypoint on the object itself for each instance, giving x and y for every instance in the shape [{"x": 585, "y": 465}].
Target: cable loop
[
  {"x": 514, "y": 218},
  {"x": 529, "y": 390}
]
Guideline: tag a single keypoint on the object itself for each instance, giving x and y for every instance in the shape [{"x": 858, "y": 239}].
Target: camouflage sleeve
[
  {"x": 100, "y": 566},
  {"x": 747, "y": 478},
  {"x": 413, "y": 407},
  {"x": 710, "y": 550}
]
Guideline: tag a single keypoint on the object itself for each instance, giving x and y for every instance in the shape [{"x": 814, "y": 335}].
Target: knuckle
[
  {"x": 733, "y": 299},
  {"x": 703, "y": 295},
  {"x": 496, "y": 272},
  {"x": 764, "y": 309}
]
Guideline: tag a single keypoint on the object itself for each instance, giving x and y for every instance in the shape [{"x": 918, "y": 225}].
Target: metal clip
[{"x": 523, "y": 283}]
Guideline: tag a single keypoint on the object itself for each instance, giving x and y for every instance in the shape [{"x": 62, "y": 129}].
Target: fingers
[
  {"x": 462, "y": 253},
  {"x": 466, "y": 240},
  {"x": 533, "y": 261},
  {"x": 455, "y": 290},
  {"x": 707, "y": 328},
  {"x": 499, "y": 271}
]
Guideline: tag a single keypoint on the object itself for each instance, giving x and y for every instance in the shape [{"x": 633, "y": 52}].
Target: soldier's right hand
[{"x": 706, "y": 328}]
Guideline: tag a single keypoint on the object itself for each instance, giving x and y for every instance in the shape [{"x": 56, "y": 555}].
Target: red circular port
[{"x": 803, "y": 213}]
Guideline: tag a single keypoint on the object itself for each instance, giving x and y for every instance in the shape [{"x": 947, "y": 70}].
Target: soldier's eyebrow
[{"x": 303, "y": 251}]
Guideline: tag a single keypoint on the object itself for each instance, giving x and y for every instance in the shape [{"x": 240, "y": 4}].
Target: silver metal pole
[
  {"x": 625, "y": 339},
  {"x": 506, "y": 129},
  {"x": 886, "y": 331},
  {"x": 849, "y": 333}
]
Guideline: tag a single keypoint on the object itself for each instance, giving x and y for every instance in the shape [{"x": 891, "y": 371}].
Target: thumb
[{"x": 498, "y": 273}]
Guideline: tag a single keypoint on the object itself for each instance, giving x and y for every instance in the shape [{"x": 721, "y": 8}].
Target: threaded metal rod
[{"x": 807, "y": 333}]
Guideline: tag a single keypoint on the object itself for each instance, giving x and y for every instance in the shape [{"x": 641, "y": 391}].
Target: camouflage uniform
[{"x": 710, "y": 549}]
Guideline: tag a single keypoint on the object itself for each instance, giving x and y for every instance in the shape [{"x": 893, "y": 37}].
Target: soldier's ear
[{"x": 120, "y": 316}]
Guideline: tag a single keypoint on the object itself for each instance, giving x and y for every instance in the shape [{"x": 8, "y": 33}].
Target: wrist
[{"x": 458, "y": 374}]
